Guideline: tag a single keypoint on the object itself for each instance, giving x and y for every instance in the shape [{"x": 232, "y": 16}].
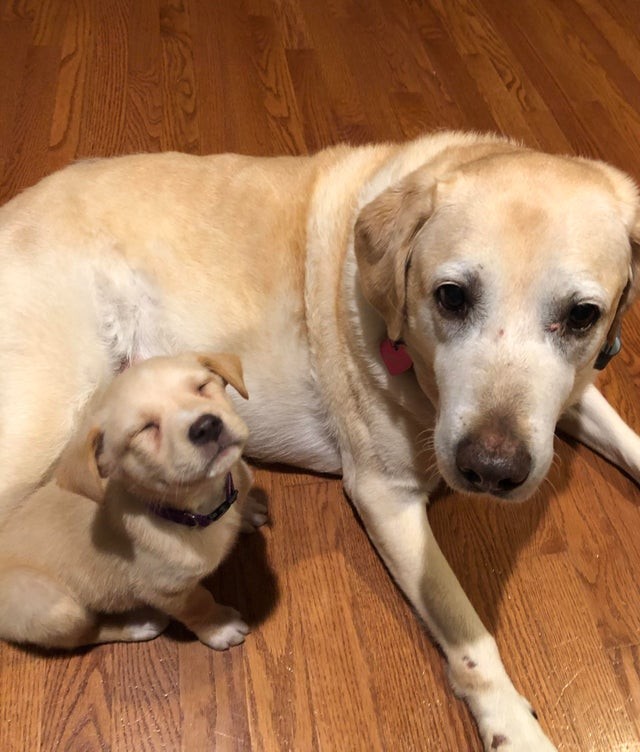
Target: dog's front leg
[
  {"x": 396, "y": 519},
  {"x": 595, "y": 423},
  {"x": 219, "y": 627}
]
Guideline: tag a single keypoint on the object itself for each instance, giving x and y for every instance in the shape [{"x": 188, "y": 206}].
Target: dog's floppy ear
[
  {"x": 634, "y": 266},
  {"x": 384, "y": 234},
  {"x": 632, "y": 288},
  {"x": 83, "y": 468},
  {"x": 228, "y": 366}
]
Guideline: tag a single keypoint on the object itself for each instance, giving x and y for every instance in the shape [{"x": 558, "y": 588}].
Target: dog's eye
[
  {"x": 152, "y": 425},
  {"x": 203, "y": 386},
  {"x": 583, "y": 316},
  {"x": 452, "y": 298}
]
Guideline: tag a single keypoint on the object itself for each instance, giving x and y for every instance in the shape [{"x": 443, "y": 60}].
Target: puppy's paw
[
  {"x": 229, "y": 630},
  {"x": 144, "y": 624},
  {"x": 254, "y": 514}
]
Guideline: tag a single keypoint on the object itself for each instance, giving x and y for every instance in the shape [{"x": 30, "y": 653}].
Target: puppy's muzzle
[
  {"x": 205, "y": 429},
  {"x": 493, "y": 458}
]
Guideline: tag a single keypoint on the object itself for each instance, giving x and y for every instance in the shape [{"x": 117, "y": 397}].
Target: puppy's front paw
[
  {"x": 254, "y": 514},
  {"x": 229, "y": 630}
]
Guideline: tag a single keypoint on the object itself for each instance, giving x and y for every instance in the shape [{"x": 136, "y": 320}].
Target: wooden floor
[{"x": 337, "y": 660}]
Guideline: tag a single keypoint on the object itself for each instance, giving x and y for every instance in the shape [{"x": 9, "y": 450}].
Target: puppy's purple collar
[{"x": 193, "y": 519}]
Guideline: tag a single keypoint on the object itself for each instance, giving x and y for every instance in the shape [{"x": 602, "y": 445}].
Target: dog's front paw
[
  {"x": 254, "y": 514},
  {"x": 507, "y": 722},
  {"x": 229, "y": 630},
  {"x": 505, "y": 719}
]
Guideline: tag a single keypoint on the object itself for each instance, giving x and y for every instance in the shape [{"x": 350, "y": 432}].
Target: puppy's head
[
  {"x": 162, "y": 429},
  {"x": 505, "y": 277}
]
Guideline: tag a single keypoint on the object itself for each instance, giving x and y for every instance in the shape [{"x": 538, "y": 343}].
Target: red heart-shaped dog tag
[{"x": 395, "y": 357}]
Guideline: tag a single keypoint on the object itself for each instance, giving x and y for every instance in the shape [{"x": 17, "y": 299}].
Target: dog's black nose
[
  {"x": 493, "y": 458},
  {"x": 205, "y": 429}
]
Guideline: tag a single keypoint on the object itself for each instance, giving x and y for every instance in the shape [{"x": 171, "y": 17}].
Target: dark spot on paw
[
  {"x": 468, "y": 662},
  {"x": 498, "y": 741}
]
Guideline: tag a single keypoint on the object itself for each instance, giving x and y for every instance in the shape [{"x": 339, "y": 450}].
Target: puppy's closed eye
[
  {"x": 202, "y": 388},
  {"x": 152, "y": 425}
]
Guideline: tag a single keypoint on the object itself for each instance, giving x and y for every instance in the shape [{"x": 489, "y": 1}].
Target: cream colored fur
[
  {"x": 302, "y": 266},
  {"x": 85, "y": 560}
]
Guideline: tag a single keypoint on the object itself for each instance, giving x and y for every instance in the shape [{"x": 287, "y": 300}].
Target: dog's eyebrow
[{"x": 460, "y": 273}]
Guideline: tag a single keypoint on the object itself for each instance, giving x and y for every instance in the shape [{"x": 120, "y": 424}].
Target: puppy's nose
[
  {"x": 205, "y": 429},
  {"x": 493, "y": 458}
]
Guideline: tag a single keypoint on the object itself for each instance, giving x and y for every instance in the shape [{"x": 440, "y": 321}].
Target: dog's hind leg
[
  {"x": 396, "y": 519},
  {"x": 37, "y": 610},
  {"x": 595, "y": 423}
]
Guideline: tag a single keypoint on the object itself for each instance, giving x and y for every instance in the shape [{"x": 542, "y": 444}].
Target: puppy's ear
[
  {"x": 228, "y": 366},
  {"x": 82, "y": 468},
  {"x": 384, "y": 235}
]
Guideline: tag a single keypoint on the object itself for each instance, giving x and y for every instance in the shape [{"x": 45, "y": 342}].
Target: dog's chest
[
  {"x": 288, "y": 420},
  {"x": 171, "y": 557}
]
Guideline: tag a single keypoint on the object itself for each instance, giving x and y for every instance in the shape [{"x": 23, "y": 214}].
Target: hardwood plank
[
  {"x": 144, "y": 105},
  {"x": 26, "y": 161},
  {"x": 14, "y": 44},
  {"x": 76, "y": 702},
  {"x": 22, "y": 687},
  {"x": 180, "y": 126},
  {"x": 64, "y": 137},
  {"x": 103, "y": 121}
]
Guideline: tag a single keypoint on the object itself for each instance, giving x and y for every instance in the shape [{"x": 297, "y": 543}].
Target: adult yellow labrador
[{"x": 458, "y": 285}]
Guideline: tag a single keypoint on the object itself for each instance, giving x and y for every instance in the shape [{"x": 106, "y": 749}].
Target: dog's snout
[
  {"x": 205, "y": 429},
  {"x": 493, "y": 458}
]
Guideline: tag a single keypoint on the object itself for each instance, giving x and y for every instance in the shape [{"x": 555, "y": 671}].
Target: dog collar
[
  {"x": 608, "y": 352},
  {"x": 395, "y": 356},
  {"x": 193, "y": 519}
]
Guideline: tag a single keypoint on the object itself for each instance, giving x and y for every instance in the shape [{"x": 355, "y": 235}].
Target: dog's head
[
  {"x": 163, "y": 427},
  {"x": 505, "y": 278}
]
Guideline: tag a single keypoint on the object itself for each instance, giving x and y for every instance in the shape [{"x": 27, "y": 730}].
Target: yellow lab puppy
[{"x": 168, "y": 442}]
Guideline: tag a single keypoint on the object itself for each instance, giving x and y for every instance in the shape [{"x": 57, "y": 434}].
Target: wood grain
[{"x": 337, "y": 660}]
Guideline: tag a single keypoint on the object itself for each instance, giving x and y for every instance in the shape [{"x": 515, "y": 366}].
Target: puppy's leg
[
  {"x": 37, "y": 610},
  {"x": 133, "y": 626},
  {"x": 254, "y": 513},
  {"x": 595, "y": 423},
  {"x": 396, "y": 520},
  {"x": 219, "y": 627}
]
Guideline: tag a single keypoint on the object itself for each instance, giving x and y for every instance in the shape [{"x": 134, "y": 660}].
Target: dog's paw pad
[{"x": 228, "y": 631}]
